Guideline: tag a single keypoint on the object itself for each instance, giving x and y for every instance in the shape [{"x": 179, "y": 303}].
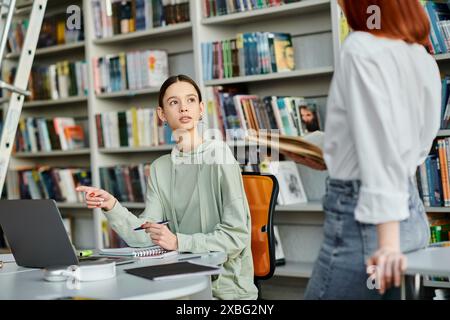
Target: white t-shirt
[{"x": 383, "y": 113}]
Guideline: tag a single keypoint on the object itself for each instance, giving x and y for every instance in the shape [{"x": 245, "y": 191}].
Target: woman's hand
[
  {"x": 390, "y": 264},
  {"x": 388, "y": 260},
  {"x": 161, "y": 235},
  {"x": 97, "y": 198},
  {"x": 304, "y": 161}
]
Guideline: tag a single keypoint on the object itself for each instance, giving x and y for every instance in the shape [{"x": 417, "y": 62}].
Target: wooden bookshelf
[
  {"x": 171, "y": 30},
  {"x": 133, "y": 205},
  {"x": 314, "y": 206},
  {"x": 59, "y": 153},
  {"x": 73, "y": 205},
  {"x": 294, "y": 270},
  {"x": 128, "y": 93},
  {"x": 442, "y": 57},
  {"x": 444, "y": 133},
  {"x": 62, "y": 101},
  {"x": 296, "y": 8},
  {"x": 136, "y": 149},
  {"x": 323, "y": 71},
  {"x": 437, "y": 209},
  {"x": 59, "y": 49},
  {"x": 435, "y": 284}
]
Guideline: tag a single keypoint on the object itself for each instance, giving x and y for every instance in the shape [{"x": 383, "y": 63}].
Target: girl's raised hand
[{"x": 97, "y": 198}]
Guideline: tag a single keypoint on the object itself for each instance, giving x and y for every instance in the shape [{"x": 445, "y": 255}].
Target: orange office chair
[{"x": 262, "y": 192}]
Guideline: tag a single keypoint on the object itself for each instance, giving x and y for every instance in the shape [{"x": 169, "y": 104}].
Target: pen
[{"x": 161, "y": 222}]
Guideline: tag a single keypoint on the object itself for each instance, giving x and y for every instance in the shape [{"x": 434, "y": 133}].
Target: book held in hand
[
  {"x": 148, "y": 252},
  {"x": 308, "y": 148}
]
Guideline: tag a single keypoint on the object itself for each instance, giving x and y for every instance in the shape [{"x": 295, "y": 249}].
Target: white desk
[
  {"x": 428, "y": 262},
  {"x": 19, "y": 283}
]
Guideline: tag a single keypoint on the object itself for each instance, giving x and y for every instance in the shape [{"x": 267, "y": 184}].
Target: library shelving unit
[
  {"x": 81, "y": 218},
  {"x": 315, "y": 28}
]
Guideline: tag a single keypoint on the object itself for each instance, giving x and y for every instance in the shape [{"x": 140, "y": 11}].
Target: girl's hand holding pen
[
  {"x": 161, "y": 235},
  {"x": 97, "y": 198}
]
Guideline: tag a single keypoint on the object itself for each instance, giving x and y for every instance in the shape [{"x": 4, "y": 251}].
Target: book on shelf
[
  {"x": 54, "y": 31},
  {"x": 137, "y": 127},
  {"x": 130, "y": 71},
  {"x": 56, "y": 81},
  {"x": 445, "y": 107},
  {"x": 236, "y": 57},
  {"x": 439, "y": 16},
  {"x": 280, "y": 258},
  {"x": 234, "y": 114},
  {"x": 128, "y": 183},
  {"x": 433, "y": 175},
  {"x": 212, "y": 8},
  {"x": 60, "y": 133},
  {"x": 113, "y": 17},
  {"x": 439, "y": 229},
  {"x": 48, "y": 183},
  {"x": 290, "y": 184},
  {"x": 344, "y": 28}
]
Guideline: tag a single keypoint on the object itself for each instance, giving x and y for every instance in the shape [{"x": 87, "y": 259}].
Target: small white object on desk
[{"x": 85, "y": 273}]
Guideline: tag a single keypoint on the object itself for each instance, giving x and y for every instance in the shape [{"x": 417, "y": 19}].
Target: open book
[
  {"x": 148, "y": 252},
  {"x": 306, "y": 149}
]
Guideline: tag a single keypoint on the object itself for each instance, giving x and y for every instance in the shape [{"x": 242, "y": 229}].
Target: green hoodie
[{"x": 202, "y": 194}]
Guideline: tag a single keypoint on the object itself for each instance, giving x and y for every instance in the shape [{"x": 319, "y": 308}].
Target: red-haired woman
[{"x": 382, "y": 115}]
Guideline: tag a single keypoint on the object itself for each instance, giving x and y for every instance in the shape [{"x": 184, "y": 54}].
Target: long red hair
[{"x": 400, "y": 19}]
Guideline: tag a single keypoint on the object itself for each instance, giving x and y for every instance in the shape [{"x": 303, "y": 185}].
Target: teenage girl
[{"x": 198, "y": 188}]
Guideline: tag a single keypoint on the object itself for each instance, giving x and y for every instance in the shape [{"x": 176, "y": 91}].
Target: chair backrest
[{"x": 262, "y": 192}]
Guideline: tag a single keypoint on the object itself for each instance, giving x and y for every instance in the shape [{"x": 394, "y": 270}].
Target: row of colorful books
[
  {"x": 61, "y": 80},
  {"x": 439, "y": 228},
  {"x": 439, "y": 15},
  {"x": 49, "y": 183},
  {"x": 234, "y": 113},
  {"x": 445, "y": 109},
  {"x": 130, "y": 71},
  {"x": 433, "y": 176},
  {"x": 213, "y": 8},
  {"x": 128, "y": 183},
  {"x": 137, "y": 127},
  {"x": 248, "y": 54},
  {"x": 41, "y": 134},
  {"x": 54, "y": 31},
  {"x": 112, "y": 17}
]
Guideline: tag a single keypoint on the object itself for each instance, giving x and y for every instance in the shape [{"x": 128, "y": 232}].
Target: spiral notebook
[{"x": 148, "y": 252}]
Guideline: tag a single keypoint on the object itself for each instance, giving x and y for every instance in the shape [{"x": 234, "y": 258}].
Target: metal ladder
[{"x": 19, "y": 88}]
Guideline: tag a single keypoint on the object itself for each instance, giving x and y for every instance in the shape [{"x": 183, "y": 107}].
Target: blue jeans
[{"x": 340, "y": 269}]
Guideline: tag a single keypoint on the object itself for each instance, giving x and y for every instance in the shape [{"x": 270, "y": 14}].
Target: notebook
[
  {"x": 174, "y": 270},
  {"x": 149, "y": 252}
]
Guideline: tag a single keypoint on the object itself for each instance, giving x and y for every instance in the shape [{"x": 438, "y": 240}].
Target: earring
[
  {"x": 201, "y": 117},
  {"x": 165, "y": 123}
]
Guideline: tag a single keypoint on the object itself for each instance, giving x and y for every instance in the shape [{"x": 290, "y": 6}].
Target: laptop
[{"x": 37, "y": 236}]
